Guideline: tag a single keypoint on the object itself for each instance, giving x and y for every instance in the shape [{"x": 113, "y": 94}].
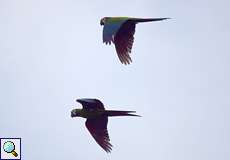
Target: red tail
[{"x": 111, "y": 113}]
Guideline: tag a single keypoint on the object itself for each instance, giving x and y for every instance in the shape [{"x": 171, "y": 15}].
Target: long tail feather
[
  {"x": 111, "y": 113},
  {"x": 149, "y": 19}
]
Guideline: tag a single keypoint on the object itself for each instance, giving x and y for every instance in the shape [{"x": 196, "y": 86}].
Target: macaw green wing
[
  {"x": 91, "y": 104},
  {"x": 123, "y": 41},
  {"x": 110, "y": 29},
  {"x": 98, "y": 129}
]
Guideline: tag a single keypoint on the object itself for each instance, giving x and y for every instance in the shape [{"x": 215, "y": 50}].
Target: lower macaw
[{"x": 97, "y": 118}]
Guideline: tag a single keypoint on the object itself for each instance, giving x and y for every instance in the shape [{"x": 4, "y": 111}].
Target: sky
[{"x": 51, "y": 53}]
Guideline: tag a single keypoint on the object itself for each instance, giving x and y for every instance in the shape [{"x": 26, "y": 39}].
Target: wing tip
[{"x": 108, "y": 148}]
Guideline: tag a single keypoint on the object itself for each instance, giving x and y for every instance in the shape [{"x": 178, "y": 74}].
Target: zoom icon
[{"x": 10, "y": 148}]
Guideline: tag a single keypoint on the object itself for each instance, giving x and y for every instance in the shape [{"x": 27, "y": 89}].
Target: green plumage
[
  {"x": 88, "y": 114},
  {"x": 116, "y": 19}
]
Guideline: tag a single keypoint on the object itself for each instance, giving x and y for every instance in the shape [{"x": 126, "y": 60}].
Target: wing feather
[
  {"x": 98, "y": 129},
  {"x": 91, "y": 104},
  {"x": 123, "y": 41}
]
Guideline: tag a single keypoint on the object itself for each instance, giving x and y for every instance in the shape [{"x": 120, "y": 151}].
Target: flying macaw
[
  {"x": 120, "y": 31},
  {"x": 96, "y": 120}
]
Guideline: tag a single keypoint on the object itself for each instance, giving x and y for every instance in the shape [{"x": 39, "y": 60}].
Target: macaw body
[
  {"x": 120, "y": 31},
  {"x": 91, "y": 114},
  {"x": 97, "y": 119},
  {"x": 84, "y": 113}
]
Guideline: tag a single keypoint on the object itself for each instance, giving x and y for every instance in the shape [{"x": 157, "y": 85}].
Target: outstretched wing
[
  {"x": 90, "y": 104},
  {"x": 123, "y": 41},
  {"x": 98, "y": 129}
]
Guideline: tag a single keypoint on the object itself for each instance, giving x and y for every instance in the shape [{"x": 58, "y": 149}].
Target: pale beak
[{"x": 101, "y": 22}]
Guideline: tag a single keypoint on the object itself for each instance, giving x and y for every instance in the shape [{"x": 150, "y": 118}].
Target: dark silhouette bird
[
  {"x": 97, "y": 119},
  {"x": 120, "y": 31}
]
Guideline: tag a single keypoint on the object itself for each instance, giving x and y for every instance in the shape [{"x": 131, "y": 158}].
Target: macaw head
[
  {"x": 76, "y": 113},
  {"x": 103, "y": 21}
]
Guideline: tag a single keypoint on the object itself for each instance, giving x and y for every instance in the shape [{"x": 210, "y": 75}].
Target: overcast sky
[{"x": 51, "y": 53}]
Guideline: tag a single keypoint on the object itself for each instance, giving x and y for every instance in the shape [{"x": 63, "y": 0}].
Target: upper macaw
[
  {"x": 120, "y": 31},
  {"x": 97, "y": 118}
]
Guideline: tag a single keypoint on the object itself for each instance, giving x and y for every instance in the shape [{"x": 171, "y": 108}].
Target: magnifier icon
[{"x": 9, "y": 147}]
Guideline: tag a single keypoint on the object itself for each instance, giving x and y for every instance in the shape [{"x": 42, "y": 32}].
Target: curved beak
[
  {"x": 102, "y": 22},
  {"x": 73, "y": 113}
]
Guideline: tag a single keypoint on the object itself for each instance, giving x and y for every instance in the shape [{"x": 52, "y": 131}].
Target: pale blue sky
[{"x": 51, "y": 53}]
